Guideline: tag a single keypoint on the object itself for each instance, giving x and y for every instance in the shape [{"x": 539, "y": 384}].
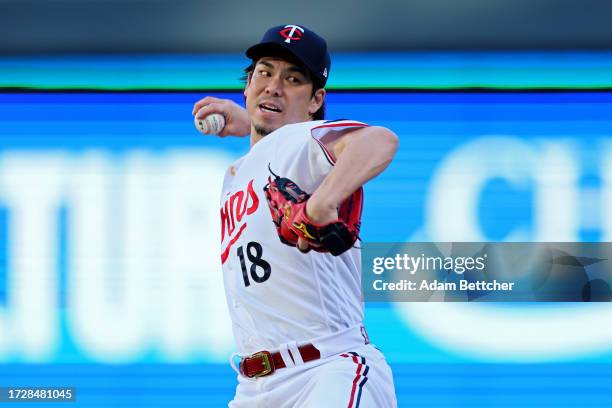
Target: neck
[{"x": 255, "y": 138}]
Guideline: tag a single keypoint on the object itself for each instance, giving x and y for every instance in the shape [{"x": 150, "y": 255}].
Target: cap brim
[
  {"x": 270, "y": 48},
  {"x": 265, "y": 49}
]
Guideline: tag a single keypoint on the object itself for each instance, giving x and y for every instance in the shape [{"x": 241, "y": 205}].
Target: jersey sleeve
[
  {"x": 300, "y": 153},
  {"x": 326, "y": 130}
]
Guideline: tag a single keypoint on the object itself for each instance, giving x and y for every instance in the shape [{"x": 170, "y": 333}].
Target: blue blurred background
[{"x": 109, "y": 231}]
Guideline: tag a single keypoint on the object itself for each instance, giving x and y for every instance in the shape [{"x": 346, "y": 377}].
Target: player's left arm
[{"x": 361, "y": 155}]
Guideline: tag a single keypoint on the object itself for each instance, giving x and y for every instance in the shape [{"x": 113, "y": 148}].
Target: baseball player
[{"x": 290, "y": 217}]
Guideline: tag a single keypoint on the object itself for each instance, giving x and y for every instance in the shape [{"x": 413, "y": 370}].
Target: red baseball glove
[{"x": 287, "y": 204}]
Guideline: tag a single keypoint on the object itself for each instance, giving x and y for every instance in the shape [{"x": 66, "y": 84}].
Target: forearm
[{"x": 363, "y": 156}]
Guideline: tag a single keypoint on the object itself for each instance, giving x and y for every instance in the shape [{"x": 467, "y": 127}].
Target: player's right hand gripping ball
[
  {"x": 212, "y": 124},
  {"x": 287, "y": 204}
]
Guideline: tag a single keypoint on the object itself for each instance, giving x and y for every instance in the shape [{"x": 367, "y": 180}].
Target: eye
[
  {"x": 263, "y": 73},
  {"x": 294, "y": 79}
]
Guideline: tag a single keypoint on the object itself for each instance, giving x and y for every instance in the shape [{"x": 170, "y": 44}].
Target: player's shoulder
[
  {"x": 305, "y": 133},
  {"x": 320, "y": 126},
  {"x": 300, "y": 126},
  {"x": 339, "y": 123},
  {"x": 335, "y": 127},
  {"x": 293, "y": 132}
]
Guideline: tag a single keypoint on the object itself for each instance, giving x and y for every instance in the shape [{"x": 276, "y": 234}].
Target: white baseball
[{"x": 212, "y": 124}]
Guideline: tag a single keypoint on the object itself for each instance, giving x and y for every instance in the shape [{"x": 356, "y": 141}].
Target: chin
[{"x": 264, "y": 128}]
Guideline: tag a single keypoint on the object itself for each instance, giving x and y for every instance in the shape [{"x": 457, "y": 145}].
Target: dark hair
[{"x": 316, "y": 85}]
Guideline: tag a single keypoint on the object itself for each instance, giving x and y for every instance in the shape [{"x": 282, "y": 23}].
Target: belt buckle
[{"x": 267, "y": 363}]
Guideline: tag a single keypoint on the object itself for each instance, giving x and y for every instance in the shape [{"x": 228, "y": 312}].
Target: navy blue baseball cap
[{"x": 304, "y": 44}]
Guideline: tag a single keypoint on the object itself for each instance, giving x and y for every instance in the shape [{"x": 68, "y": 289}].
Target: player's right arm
[{"x": 237, "y": 122}]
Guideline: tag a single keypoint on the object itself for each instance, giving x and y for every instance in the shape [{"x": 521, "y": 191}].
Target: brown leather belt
[{"x": 265, "y": 363}]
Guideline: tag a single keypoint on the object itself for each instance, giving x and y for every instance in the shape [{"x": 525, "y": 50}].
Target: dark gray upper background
[{"x": 51, "y": 26}]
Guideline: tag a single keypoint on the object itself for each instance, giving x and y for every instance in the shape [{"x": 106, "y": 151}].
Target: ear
[{"x": 316, "y": 101}]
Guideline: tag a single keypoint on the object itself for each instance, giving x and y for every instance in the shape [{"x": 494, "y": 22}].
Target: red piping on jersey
[
  {"x": 326, "y": 152},
  {"x": 330, "y": 157},
  {"x": 349, "y": 124},
  {"x": 225, "y": 253}
]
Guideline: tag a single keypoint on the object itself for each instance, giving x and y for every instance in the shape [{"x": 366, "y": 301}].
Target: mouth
[{"x": 269, "y": 107}]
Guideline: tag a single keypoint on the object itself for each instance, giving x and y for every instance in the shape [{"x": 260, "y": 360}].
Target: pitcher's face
[{"x": 278, "y": 93}]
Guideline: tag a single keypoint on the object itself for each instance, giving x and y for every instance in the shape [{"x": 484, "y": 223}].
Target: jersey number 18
[{"x": 256, "y": 262}]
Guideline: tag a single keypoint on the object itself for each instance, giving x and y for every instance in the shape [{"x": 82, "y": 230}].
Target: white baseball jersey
[{"x": 275, "y": 293}]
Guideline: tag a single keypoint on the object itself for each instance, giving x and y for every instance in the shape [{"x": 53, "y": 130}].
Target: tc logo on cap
[{"x": 292, "y": 33}]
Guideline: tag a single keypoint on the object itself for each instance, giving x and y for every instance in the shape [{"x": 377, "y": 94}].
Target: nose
[{"x": 274, "y": 86}]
